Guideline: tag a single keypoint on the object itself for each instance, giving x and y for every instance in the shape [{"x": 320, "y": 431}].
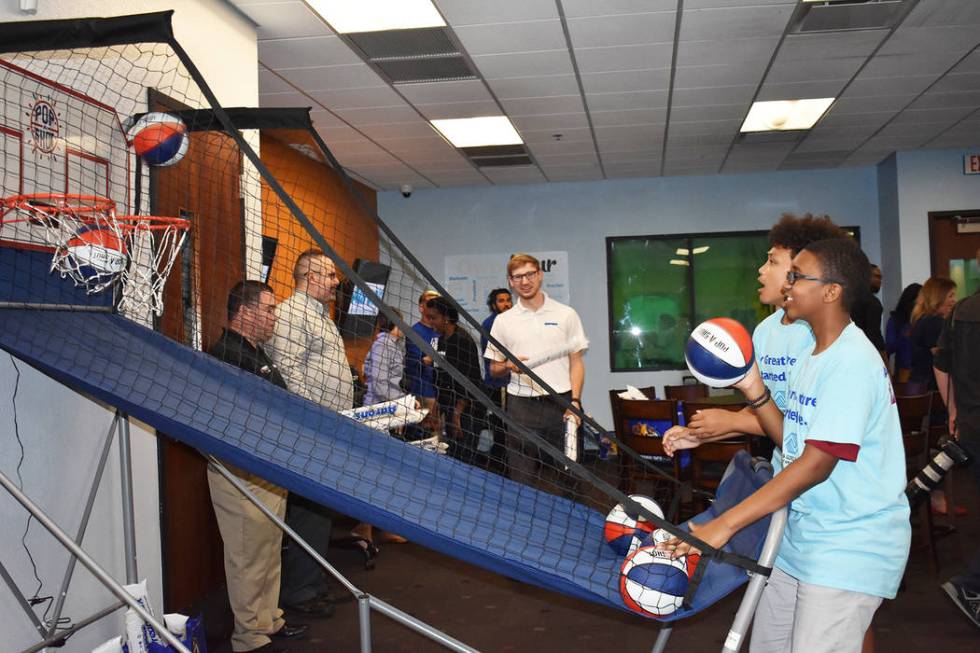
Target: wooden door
[
  {"x": 203, "y": 187},
  {"x": 954, "y": 239}
]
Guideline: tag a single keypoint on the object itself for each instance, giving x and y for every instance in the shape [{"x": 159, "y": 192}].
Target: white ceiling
[{"x": 627, "y": 98}]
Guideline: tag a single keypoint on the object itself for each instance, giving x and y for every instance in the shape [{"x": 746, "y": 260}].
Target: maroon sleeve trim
[{"x": 843, "y": 450}]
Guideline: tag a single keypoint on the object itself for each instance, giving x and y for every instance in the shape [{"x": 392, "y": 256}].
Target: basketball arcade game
[{"x": 85, "y": 229}]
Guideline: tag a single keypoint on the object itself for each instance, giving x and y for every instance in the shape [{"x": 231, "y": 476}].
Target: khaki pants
[{"x": 252, "y": 544}]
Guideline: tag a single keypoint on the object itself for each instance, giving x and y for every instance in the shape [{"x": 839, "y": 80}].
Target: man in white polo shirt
[{"x": 537, "y": 326}]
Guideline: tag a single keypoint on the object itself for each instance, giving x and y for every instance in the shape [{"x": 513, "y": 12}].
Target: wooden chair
[
  {"x": 649, "y": 391},
  {"x": 913, "y": 414},
  {"x": 709, "y": 461},
  {"x": 630, "y": 410},
  {"x": 686, "y": 392}
]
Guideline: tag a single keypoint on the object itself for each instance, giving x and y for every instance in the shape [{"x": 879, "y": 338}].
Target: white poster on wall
[{"x": 470, "y": 278}]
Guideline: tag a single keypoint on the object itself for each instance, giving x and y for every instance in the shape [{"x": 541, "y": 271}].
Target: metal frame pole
[
  {"x": 364, "y": 606},
  {"x": 101, "y": 575},
  {"x": 80, "y": 534},
  {"x": 750, "y": 600},
  {"x": 662, "y": 637},
  {"x": 19, "y": 596},
  {"x": 126, "y": 474},
  {"x": 53, "y": 640}
]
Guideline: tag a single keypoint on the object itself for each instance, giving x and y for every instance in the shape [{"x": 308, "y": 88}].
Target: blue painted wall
[{"x": 577, "y": 217}]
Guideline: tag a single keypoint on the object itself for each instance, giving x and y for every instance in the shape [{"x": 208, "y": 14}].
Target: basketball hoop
[
  {"x": 88, "y": 243},
  {"x": 152, "y": 244},
  {"x": 58, "y": 213}
]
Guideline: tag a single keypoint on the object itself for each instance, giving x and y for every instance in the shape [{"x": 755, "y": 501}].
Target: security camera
[{"x": 407, "y": 190}]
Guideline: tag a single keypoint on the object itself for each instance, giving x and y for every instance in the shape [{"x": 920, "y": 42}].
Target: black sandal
[{"x": 368, "y": 548}]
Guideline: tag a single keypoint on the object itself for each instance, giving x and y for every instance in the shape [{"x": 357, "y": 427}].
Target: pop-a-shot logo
[{"x": 45, "y": 125}]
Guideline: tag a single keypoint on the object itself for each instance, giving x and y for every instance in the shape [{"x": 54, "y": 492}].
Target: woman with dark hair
[
  {"x": 932, "y": 307},
  {"x": 898, "y": 333}
]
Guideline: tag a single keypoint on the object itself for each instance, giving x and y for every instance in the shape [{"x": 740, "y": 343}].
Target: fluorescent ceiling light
[
  {"x": 477, "y": 132},
  {"x": 702, "y": 250},
  {"x": 346, "y": 16},
  {"x": 785, "y": 115},
  {"x": 675, "y": 261},
  {"x": 682, "y": 251}
]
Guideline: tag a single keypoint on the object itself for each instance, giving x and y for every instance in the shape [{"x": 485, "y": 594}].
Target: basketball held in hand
[{"x": 719, "y": 352}]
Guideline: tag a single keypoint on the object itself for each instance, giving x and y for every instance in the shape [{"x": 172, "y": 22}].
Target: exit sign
[{"x": 971, "y": 164}]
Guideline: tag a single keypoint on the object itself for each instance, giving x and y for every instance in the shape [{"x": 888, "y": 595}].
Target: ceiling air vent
[
  {"x": 844, "y": 15},
  {"x": 496, "y": 156},
  {"x": 406, "y": 56}
]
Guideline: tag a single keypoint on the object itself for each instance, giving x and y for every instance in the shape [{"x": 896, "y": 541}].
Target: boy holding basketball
[
  {"x": 843, "y": 470},
  {"x": 779, "y": 342}
]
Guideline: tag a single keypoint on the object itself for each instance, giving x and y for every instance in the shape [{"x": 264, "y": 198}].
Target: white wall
[
  {"x": 577, "y": 217},
  {"x": 928, "y": 180},
  {"x": 61, "y": 431}
]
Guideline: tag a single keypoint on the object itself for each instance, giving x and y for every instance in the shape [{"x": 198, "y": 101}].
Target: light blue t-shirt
[
  {"x": 852, "y": 531},
  {"x": 778, "y": 350}
]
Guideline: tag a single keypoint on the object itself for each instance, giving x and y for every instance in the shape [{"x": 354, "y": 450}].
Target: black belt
[{"x": 541, "y": 397}]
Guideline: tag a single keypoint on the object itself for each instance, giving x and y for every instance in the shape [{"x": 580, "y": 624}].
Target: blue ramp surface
[{"x": 433, "y": 500}]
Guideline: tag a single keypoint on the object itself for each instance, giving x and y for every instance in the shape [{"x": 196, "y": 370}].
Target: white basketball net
[{"x": 152, "y": 244}]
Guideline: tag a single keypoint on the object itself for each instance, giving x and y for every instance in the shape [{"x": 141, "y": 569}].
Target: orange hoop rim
[
  {"x": 151, "y": 222},
  {"x": 81, "y": 203}
]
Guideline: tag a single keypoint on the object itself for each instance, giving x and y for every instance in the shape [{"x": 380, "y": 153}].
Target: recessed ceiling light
[
  {"x": 785, "y": 115},
  {"x": 675, "y": 261},
  {"x": 701, "y": 250},
  {"x": 475, "y": 132},
  {"x": 351, "y": 16}
]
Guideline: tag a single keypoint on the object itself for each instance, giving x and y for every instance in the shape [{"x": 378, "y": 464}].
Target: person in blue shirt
[
  {"x": 499, "y": 300},
  {"x": 778, "y": 342},
  {"x": 843, "y": 477},
  {"x": 420, "y": 376}
]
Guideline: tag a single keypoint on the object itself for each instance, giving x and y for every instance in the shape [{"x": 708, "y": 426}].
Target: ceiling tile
[
  {"x": 522, "y": 87},
  {"x": 708, "y": 112},
  {"x": 546, "y": 134},
  {"x": 934, "y": 40},
  {"x": 304, "y": 52},
  {"x": 719, "y": 75},
  {"x": 706, "y": 127},
  {"x": 586, "y": 158},
  {"x": 627, "y": 80},
  {"x": 501, "y": 38},
  {"x": 933, "y": 100},
  {"x": 799, "y": 90},
  {"x": 478, "y": 12},
  {"x": 784, "y": 72},
  {"x": 686, "y": 97},
  {"x": 340, "y": 134},
  {"x": 552, "y": 62},
  {"x": 873, "y": 104},
  {"x": 520, "y": 175},
  {"x": 729, "y": 51},
  {"x": 553, "y": 122},
  {"x": 865, "y": 86},
  {"x": 356, "y": 98},
  {"x": 734, "y": 22},
  {"x": 318, "y": 78},
  {"x": 378, "y": 115},
  {"x": 415, "y": 129},
  {"x": 627, "y": 101},
  {"x": 443, "y": 110},
  {"x": 901, "y": 65},
  {"x": 944, "y": 12},
  {"x": 269, "y": 82},
  {"x": 949, "y": 115},
  {"x": 470, "y": 90},
  {"x": 537, "y": 106},
  {"x": 581, "y": 8},
  {"x": 956, "y": 82},
  {"x": 623, "y": 57},
  {"x": 285, "y": 19},
  {"x": 562, "y": 147},
  {"x": 288, "y": 99},
  {"x": 634, "y": 117},
  {"x": 829, "y": 45},
  {"x": 323, "y": 118},
  {"x": 627, "y": 29}
]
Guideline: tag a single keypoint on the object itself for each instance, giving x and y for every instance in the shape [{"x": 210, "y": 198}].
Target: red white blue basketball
[
  {"x": 621, "y": 528},
  {"x": 97, "y": 253},
  {"x": 719, "y": 352},
  {"x": 160, "y": 139},
  {"x": 651, "y": 583}
]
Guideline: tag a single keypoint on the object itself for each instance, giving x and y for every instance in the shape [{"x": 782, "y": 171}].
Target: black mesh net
[{"x": 91, "y": 135}]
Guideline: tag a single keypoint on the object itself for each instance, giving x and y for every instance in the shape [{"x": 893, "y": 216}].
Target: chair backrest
[
  {"x": 638, "y": 419},
  {"x": 691, "y": 407},
  {"x": 614, "y": 399},
  {"x": 908, "y": 388},
  {"x": 687, "y": 392},
  {"x": 913, "y": 411}
]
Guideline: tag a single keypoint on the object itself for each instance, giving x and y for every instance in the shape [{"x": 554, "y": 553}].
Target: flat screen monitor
[{"x": 358, "y": 314}]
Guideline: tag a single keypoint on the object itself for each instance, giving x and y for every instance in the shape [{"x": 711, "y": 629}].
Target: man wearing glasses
[
  {"x": 310, "y": 354},
  {"x": 537, "y": 326}
]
